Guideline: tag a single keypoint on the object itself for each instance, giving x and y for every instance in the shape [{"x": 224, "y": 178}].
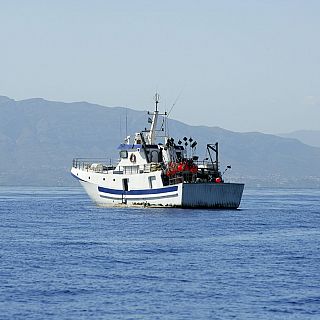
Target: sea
[{"x": 62, "y": 257}]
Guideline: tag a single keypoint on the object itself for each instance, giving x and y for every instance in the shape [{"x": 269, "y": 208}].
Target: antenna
[
  {"x": 156, "y": 99},
  {"x": 175, "y": 102},
  {"x": 167, "y": 133},
  {"x": 126, "y": 121},
  {"x": 120, "y": 127},
  {"x": 168, "y": 113}
]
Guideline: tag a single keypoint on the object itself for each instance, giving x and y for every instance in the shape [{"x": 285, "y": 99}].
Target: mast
[{"x": 151, "y": 136}]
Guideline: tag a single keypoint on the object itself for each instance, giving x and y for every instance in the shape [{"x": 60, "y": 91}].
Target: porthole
[{"x": 104, "y": 179}]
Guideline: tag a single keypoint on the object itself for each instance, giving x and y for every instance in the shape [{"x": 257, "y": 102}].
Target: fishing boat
[{"x": 153, "y": 173}]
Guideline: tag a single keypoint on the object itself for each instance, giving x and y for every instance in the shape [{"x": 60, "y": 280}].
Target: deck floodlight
[{"x": 226, "y": 169}]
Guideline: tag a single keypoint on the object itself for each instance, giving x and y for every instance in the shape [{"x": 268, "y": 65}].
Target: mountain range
[
  {"x": 310, "y": 137},
  {"x": 39, "y": 139}
]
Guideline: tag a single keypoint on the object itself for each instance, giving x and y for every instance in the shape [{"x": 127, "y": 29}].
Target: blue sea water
[{"x": 61, "y": 257}]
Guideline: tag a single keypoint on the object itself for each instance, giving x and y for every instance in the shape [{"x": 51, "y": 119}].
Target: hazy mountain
[
  {"x": 39, "y": 139},
  {"x": 310, "y": 137}
]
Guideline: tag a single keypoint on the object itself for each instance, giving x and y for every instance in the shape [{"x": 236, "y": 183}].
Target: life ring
[{"x": 133, "y": 157}]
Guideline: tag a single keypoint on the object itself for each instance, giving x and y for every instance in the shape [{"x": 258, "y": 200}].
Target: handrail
[
  {"x": 95, "y": 165},
  {"x": 102, "y": 165}
]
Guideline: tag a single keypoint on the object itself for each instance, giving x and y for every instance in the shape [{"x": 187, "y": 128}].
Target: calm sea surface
[{"x": 61, "y": 257}]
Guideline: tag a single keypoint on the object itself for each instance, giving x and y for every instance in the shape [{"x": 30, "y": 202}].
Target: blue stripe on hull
[
  {"x": 138, "y": 192},
  {"x": 141, "y": 198}
]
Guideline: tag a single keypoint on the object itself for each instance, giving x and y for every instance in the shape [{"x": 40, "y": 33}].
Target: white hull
[
  {"x": 186, "y": 195},
  {"x": 112, "y": 193},
  {"x": 102, "y": 196}
]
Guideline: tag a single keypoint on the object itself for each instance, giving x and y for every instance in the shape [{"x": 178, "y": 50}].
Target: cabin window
[
  {"x": 123, "y": 154},
  {"x": 130, "y": 169},
  {"x": 154, "y": 156}
]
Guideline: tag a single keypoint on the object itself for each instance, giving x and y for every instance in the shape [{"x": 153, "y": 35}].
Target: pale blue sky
[{"x": 242, "y": 65}]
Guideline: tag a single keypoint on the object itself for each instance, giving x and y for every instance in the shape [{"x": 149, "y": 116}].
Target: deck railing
[
  {"x": 176, "y": 180},
  {"x": 94, "y": 165},
  {"x": 100, "y": 165}
]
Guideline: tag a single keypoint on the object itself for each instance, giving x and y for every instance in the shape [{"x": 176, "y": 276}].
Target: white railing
[
  {"x": 100, "y": 165},
  {"x": 94, "y": 165}
]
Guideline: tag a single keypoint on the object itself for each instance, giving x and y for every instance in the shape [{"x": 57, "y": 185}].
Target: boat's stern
[{"x": 212, "y": 195}]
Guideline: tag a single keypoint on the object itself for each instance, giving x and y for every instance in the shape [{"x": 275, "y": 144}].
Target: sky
[{"x": 242, "y": 65}]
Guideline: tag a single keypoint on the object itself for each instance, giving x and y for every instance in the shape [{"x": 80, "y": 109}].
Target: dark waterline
[{"x": 64, "y": 258}]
